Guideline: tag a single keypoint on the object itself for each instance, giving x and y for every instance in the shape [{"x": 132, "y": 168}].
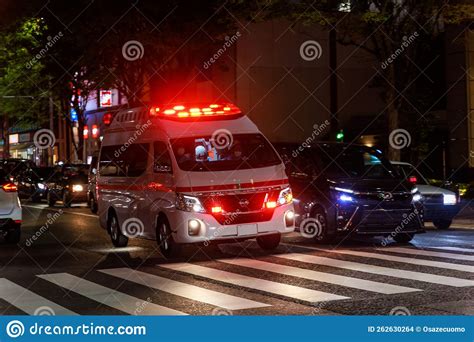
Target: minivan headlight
[
  {"x": 189, "y": 203},
  {"x": 449, "y": 199},
  {"x": 417, "y": 197}
]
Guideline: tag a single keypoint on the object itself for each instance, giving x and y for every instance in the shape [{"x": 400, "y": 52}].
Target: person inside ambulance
[
  {"x": 201, "y": 153},
  {"x": 182, "y": 155}
]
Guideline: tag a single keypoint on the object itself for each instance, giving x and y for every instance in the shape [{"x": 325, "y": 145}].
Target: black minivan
[{"x": 341, "y": 189}]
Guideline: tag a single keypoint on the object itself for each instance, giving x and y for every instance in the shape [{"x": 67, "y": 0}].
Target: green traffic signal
[{"x": 340, "y": 135}]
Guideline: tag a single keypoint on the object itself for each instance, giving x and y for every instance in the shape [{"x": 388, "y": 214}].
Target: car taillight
[
  {"x": 216, "y": 210},
  {"x": 9, "y": 187},
  {"x": 412, "y": 179}
]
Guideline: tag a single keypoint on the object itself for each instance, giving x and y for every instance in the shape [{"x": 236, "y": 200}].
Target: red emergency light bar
[{"x": 212, "y": 111}]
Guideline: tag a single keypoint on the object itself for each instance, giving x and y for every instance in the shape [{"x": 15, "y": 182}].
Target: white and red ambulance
[{"x": 191, "y": 173}]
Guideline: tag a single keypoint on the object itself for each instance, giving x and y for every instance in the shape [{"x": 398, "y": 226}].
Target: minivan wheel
[
  {"x": 50, "y": 199},
  {"x": 164, "y": 237},
  {"x": 403, "y": 237},
  {"x": 118, "y": 239},
  {"x": 269, "y": 242},
  {"x": 13, "y": 235},
  {"x": 319, "y": 227},
  {"x": 442, "y": 223}
]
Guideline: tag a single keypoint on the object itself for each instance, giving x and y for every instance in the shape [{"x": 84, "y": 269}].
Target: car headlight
[
  {"x": 344, "y": 195},
  {"x": 449, "y": 199},
  {"x": 189, "y": 203},
  {"x": 414, "y": 190},
  {"x": 285, "y": 196},
  {"x": 41, "y": 186},
  {"x": 417, "y": 197},
  {"x": 77, "y": 188}
]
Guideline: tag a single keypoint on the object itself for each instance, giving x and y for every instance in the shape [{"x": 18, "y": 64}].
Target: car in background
[
  {"x": 440, "y": 205},
  {"x": 342, "y": 190},
  {"x": 10, "y": 209},
  {"x": 15, "y": 166},
  {"x": 91, "y": 185},
  {"x": 68, "y": 184},
  {"x": 31, "y": 183}
]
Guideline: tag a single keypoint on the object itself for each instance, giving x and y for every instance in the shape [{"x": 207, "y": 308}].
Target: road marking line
[
  {"x": 290, "y": 291},
  {"x": 355, "y": 283},
  {"x": 413, "y": 261},
  {"x": 379, "y": 270},
  {"x": 177, "y": 288},
  {"x": 454, "y": 249},
  {"x": 428, "y": 253},
  {"x": 55, "y": 210},
  {"x": 28, "y": 301},
  {"x": 107, "y": 296}
]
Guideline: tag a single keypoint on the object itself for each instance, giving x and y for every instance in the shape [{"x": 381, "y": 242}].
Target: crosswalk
[{"x": 246, "y": 285}]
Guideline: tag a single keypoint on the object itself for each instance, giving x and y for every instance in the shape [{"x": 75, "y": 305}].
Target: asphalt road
[{"x": 70, "y": 267}]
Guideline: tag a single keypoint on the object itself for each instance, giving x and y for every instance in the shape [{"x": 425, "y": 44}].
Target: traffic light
[{"x": 340, "y": 136}]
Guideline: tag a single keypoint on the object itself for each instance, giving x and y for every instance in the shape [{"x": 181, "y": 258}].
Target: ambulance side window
[
  {"x": 162, "y": 158},
  {"x": 135, "y": 159}
]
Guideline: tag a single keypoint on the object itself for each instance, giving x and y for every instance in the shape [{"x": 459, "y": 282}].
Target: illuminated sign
[
  {"x": 13, "y": 138},
  {"x": 105, "y": 98}
]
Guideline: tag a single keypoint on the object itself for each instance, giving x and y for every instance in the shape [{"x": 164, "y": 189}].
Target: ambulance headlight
[
  {"x": 189, "y": 203},
  {"x": 285, "y": 196}
]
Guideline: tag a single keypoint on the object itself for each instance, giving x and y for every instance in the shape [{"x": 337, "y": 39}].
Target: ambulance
[{"x": 191, "y": 174}]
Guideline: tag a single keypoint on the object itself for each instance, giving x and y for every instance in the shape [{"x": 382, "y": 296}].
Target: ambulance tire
[
  {"x": 165, "y": 240},
  {"x": 113, "y": 227}
]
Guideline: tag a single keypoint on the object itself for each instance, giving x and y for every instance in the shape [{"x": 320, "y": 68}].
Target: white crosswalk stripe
[
  {"x": 290, "y": 291},
  {"x": 454, "y": 249},
  {"x": 379, "y": 270},
  {"x": 350, "y": 282},
  {"x": 428, "y": 253},
  {"x": 413, "y": 261},
  {"x": 107, "y": 296},
  {"x": 184, "y": 290},
  {"x": 28, "y": 301}
]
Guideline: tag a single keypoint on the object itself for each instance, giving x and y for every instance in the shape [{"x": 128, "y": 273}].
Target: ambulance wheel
[
  {"x": 118, "y": 239},
  {"x": 165, "y": 239},
  {"x": 269, "y": 242}
]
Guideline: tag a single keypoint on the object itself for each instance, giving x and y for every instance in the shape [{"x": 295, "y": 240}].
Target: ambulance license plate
[{"x": 247, "y": 229}]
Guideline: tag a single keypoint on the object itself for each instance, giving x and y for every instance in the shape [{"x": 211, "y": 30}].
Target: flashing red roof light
[{"x": 180, "y": 111}]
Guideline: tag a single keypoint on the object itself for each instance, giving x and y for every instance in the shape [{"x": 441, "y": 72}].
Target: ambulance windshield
[{"x": 223, "y": 152}]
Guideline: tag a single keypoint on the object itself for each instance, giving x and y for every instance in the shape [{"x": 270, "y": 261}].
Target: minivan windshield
[
  {"x": 339, "y": 161},
  {"x": 230, "y": 152}
]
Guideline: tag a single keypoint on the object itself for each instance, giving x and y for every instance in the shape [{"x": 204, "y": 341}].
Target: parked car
[
  {"x": 91, "y": 187},
  {"x": 440, "y": 205},
  {"x": 15, "y": 166},
  {"x": 342, "y": 189},
  {"x": 10, "y": 209},
  {"x": 31, "y": 183},
  {"x": 68, "y": 184}
]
